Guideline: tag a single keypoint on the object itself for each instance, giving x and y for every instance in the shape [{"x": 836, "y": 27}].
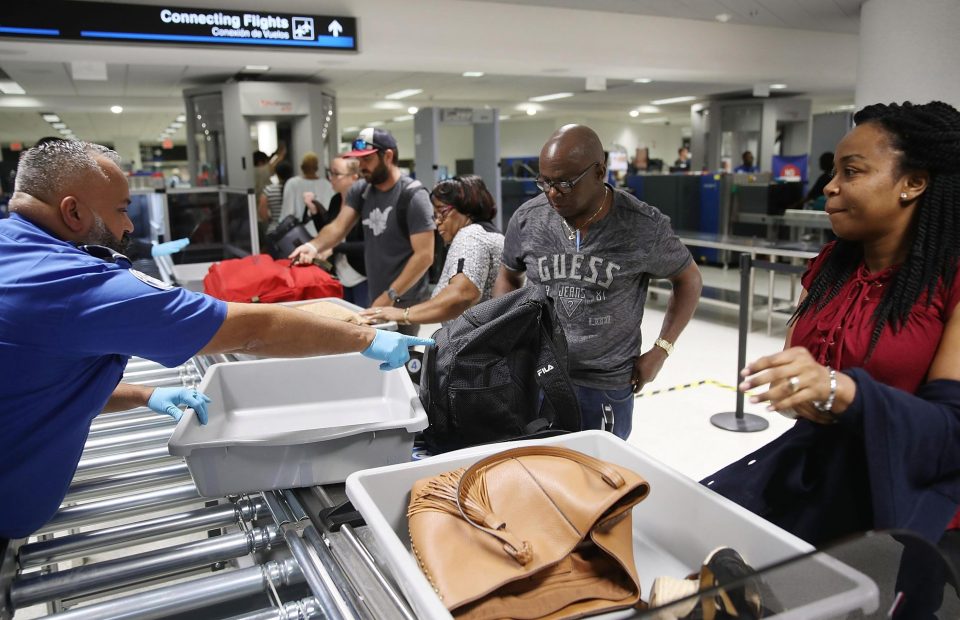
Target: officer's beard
[{"x": 101, "y": 235}]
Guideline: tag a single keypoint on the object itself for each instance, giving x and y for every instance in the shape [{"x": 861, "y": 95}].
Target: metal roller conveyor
[
  {"x": 129, "y": 505},
  {"x": 139, "y": 439},
  {"x": 102, "y": 465},
  {"x": 160, "y": 382},
  {"x": 142, "y": 421},
  {"x": 78, "y": 545},
  {"x": 120, "y": 415},
  {"x": 131, "y": 376},
  {"x": 304, "y": 609},
  {"x": 318, "y": 579},
  {"x": 95, "y": 488},
  {"x": 201, "y": 593},
  {"x": 138, "y": 568}
]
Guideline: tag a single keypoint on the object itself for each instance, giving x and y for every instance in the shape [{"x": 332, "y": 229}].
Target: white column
[{"x": 909, "y": 51}]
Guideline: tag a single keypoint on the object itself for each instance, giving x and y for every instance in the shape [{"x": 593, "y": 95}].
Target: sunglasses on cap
[{"x": 362, "y": 145}]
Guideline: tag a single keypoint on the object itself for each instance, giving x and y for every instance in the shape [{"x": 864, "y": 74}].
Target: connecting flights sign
[{"x": 101, "y": 21}]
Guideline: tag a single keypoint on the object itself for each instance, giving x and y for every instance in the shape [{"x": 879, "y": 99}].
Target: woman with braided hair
[{"x": 871, "y": 367}]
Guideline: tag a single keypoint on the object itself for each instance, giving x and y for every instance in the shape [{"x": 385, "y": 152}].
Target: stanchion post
[{"x": 738, "y": 421}]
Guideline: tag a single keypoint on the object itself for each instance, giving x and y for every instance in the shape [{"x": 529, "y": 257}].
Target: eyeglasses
[
  {"x": 441, "y": 213},
  {"x": 362, "y": 145},
  {"x": 332, "y": 174},
  {"x": 563, "y": 187},
  {"x": 104, "y": 253}
]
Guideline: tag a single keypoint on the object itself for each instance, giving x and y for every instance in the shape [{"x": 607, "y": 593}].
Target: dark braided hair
[
  {"x": 928, "y": 138},
  {"x": 468, "y": 194}
]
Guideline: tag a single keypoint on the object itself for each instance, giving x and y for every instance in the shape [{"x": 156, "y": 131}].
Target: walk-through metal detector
[
  {"x": 486, "y": 145},
  {"x": 223, "y": 122}
]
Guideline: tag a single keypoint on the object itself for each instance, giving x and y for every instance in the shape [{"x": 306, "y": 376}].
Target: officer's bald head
[{"x": 55, "y": 168}]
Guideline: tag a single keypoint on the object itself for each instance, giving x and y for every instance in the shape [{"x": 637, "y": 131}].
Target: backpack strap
[
  {"x": 560, "y": 403},
  {"x": 407, "y": 192}
]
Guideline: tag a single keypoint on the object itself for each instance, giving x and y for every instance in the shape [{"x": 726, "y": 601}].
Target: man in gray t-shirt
[
  {"x": 398, "y": 234},
  {"x": 594, "y": 249}
]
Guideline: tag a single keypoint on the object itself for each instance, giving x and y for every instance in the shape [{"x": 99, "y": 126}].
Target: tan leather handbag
[{"x": 533, "y": 532}]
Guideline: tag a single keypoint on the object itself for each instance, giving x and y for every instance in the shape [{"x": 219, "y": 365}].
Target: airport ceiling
[{"x": 525, "y": 48}]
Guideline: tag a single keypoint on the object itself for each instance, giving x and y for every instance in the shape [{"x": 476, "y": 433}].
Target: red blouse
[{"x": 839, "y": 334}]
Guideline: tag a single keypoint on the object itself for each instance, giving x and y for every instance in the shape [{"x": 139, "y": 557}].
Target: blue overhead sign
[{"x": 138, "y": 23}]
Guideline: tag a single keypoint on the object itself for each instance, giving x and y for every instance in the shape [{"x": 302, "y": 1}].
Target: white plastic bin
[
  {"x": 674, "y": 528},
  {"x": 285, "y": 423}
]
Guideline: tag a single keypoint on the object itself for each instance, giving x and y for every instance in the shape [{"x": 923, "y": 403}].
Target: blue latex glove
[
  {"x": 391, "y": 348},
  {"x": 167, "y": 400},
  {"x": 170, "y": 247}
]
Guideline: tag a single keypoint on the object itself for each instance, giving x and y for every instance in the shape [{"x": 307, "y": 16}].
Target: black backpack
[{"x": 482, "y": 381}]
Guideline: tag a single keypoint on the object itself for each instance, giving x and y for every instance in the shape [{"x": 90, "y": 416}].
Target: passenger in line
[
  {"x": 264, "y": 167},
  {"x": 347, "y": 255},
  {"x": 271, "y": 200},
  {"x": 300, "y": 192},
  {"x": 397, "y": 217},
  {"x": 594, "y": 249},
  {"x": 72, "y": 313},
  {"x": 871, "y": 367},
  {"x": 464, "y": 210}
]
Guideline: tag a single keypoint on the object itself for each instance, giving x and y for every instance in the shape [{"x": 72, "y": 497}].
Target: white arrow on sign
[{"x": 335, "y": 28}]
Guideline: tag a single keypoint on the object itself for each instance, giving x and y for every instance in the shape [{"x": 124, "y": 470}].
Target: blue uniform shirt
[{"x": 68, "y": 324}]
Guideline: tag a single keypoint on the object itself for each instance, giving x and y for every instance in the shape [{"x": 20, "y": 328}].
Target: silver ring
[
  {"x": 377, "y": 311},
  {"x": 794, "y": 384}
]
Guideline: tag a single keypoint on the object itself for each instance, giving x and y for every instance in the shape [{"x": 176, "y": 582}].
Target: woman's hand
[
  {"x": 381, "y": 314},
  {"x": 795, "y": 381}
]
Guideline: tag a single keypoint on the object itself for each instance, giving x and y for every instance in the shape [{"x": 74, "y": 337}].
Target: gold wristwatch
[{"x": 666, "y": 345}]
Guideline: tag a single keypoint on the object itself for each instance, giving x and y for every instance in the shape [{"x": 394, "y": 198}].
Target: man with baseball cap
[{"x": 398, "y": 219}]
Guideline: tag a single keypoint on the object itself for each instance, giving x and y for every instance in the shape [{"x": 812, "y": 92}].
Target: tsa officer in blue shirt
[{"x": 72, "y": 312}]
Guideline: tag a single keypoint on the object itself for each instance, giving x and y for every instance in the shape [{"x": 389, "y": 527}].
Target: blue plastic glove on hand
[
  {"x": 170, "y": 247},
  {"x": 166, "y": 400},
  {"x": 392, "y": 348}
]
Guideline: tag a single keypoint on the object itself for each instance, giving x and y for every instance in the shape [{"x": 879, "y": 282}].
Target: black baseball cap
[{"x": 371, "y": 140}]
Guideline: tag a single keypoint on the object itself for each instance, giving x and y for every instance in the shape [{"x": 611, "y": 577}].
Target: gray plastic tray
[
  {"x": 283, "y": 423},
  {"x": 674, "y": 528}
]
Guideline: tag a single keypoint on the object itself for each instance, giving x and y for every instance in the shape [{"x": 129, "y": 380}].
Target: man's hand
[
  {"x": 392, "y": 348},
  {"x": 167, "y": 400},
  {"x": 647, "y": 367},
  {"x": 304, "y": 254}
]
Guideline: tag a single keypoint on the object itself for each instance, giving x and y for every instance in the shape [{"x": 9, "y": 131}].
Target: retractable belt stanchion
[{"x": 738, "y": 421}]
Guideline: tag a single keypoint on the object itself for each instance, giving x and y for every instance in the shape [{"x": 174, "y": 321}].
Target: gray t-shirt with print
[
  {"x": 599, "y": 290},
  {"x": 387, "y": 248}
]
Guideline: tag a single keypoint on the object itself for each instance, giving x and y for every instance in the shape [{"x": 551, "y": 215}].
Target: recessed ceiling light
[
  {"x": 403, "y": 94},
  {"x": 403, "y": 118},
  {"x": 634, "y": 113},
  {"x": 723, "y": 17},
  {"x": 59, "y": 125},
  {"x": 176, "y": 124},
  {"x": 531, "y": 111},
  {"x": 388, "y": 105},
  {"x": 350, "y": 129},
  {"x": 51, "y": 118},
  {"x": 413, "y": 109},
  {"x": 375, "y": 124},
  {"x": 550, "y": 97},
  {"x": 673, "y": 100},
  {"x": 647, "y": 109},
  {"x": 642, "y": 80},
  {"x": 504, "y": 117},
  {"x": 473, "y": 74},
  {"x": 116, "y": 109},
  {"x": 182, "y": 118},
  {"x": 257, "y": 68},
  {"x": 656, "y": 119},
  {"x": 9, "y": 87},
  {"x": 65, "y": 131},
  {"x": 778, "y": 86}
]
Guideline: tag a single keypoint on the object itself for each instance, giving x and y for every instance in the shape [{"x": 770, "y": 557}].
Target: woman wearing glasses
[{"x": 463, "y": 209}]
